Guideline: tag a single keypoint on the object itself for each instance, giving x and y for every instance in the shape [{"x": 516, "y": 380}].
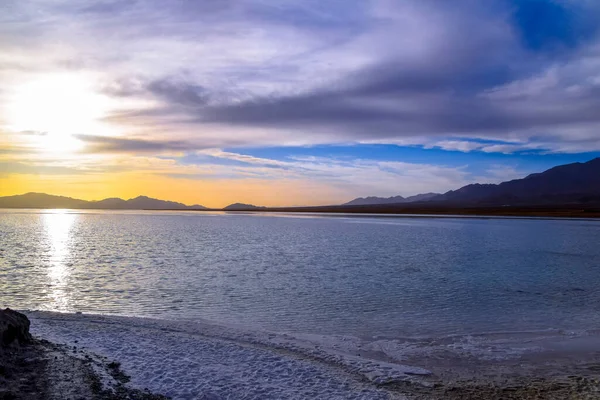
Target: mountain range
[
  {"x": 363, "y": 201},
  {"x": 570, "y": 183},
  {"x": 577, "y": 183},
  {"x": 243, "y": 207},
  {"x": 42, "y": 200}
]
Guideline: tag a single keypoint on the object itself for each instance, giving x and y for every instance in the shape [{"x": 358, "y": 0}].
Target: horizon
[
  {"x": 300, "y": 103},
  {"x": 260, "y": 205}
]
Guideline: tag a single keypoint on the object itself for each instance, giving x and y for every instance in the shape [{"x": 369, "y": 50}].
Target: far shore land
[
  {"x": 553, "y": 211},
  {"x": 424, "y": 210}
]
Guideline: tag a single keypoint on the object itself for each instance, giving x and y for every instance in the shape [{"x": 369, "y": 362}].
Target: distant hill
[
  {"x": 242, "y": 207},
  {"x": 41, "y": 200},
  {"x": 570, "y": 183},
  {"x": 142, "y": 203},
  {"x": 577, "y": 183},
  {"x": 421, "y": 197},
  {"x": 363, "y": 201}
]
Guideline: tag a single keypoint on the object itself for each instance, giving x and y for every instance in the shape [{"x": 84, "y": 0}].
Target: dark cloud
[
  {"x": 112, "y": 144},
  {"x": 172, "y": 90},
  {"x": 453, "y": 89},
  {"x": 183, "y": 93},
  {"x": 390, "y": 100},
  {"x": 352, "y": 115},
  {"x": 106, "y": 144},
  {"x": 435, "y": 92},
  {"x": 406, "y": 113}
]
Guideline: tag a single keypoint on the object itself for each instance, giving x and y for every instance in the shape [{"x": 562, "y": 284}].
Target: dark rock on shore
[{"x": 14, "y": 328}]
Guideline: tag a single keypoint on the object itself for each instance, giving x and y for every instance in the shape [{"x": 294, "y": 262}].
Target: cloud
[
  {"x": 502, "y": 173},
  {"x": 109, "y": 144},
  {"x": 11, "y": 167},
  {"x": 360, "y": 177},
  {"x": 458, "y": 145},
  {"x": 179, "y": 93},
  {"x": 244, "y": 158},
  {"x": 187, "y": 76},
  {"x": 417, "y": 71}
]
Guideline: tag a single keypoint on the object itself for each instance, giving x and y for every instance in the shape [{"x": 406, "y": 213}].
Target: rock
[{"x": 14, "y": 327}]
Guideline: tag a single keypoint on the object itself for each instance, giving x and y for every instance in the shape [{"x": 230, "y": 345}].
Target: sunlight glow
[
  {"x": 58, "y": 225},
  {"x": 54, "y": 108}
]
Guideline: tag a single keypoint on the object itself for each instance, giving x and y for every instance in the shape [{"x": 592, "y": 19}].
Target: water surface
[{"x": 365, "y": 276}]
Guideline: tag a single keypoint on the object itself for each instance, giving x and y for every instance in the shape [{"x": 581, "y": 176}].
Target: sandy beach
[
  {"x": 44, "y": 370},
  {"x": 101, "y": 357}
]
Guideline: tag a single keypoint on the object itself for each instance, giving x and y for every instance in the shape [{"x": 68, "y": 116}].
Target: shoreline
[
  {"x": 574, "y": 211},
  {"x": 407, "y": 214},
  {"x": 551, "y": 365}
]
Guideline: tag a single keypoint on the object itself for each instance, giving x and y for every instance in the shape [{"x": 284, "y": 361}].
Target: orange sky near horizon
[{"x": 208, "y": 193}]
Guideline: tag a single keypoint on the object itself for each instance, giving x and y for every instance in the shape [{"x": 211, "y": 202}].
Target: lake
[{"x": 357, "y": 275}]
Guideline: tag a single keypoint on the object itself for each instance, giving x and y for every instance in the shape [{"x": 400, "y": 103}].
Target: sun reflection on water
[{"x": 58, "y": 225}]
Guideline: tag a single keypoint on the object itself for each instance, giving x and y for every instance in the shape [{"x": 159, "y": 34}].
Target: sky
[{"x": 292, "y": 102}]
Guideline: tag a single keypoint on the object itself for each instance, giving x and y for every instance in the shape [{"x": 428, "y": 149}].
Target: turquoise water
[{"x": 364, "y": 276}]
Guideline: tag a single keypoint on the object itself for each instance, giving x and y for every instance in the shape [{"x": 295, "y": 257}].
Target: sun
[{"x": 56, "y": 108}]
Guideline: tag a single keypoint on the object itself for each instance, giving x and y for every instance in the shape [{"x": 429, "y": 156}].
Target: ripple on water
[{"x": 353, "y": 275}]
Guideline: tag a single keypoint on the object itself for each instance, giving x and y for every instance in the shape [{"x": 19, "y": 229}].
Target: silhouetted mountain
[
  {"x": 362, "y": 201},
  {"x": 242, "y": 207},
  {"x": 41, "y": 200},
  {"x": 421, "y": 197},
  {"x": 144, "y": 203},
  {"x": 111, "y": 203},
  {"x": 570, "y": 183}
]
